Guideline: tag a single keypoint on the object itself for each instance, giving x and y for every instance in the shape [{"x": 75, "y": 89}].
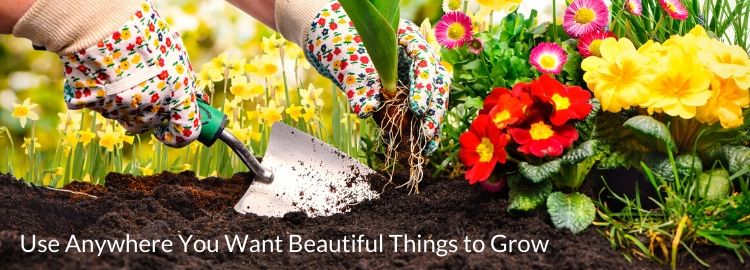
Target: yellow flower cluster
[{"x": 690, "y": 76}]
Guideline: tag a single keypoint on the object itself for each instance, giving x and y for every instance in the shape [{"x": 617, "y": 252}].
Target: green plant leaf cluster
[
  {"x": 573, "y": 211},
  {"x": 503, "y": 63},
  {"x": 526, "y": 196}
]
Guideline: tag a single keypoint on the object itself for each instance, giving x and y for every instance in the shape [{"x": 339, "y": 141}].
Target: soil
[{"x": 169, "y": 205}]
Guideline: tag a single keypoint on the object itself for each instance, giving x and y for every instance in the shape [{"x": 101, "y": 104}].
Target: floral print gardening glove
[
  {"x": 336, "y": 51},
  {"x": 139, "y": 75}
]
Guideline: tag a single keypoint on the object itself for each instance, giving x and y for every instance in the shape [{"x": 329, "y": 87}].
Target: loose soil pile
[{"x": 168, "y": 205}]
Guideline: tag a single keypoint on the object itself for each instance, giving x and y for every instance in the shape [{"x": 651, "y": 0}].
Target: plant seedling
[{"x": 377, "y": 23}]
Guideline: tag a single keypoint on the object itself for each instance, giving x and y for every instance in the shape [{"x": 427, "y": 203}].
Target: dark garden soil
[{"x": 168, "y": 205}]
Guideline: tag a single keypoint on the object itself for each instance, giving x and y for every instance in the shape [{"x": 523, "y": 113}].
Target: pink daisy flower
[
  {"x": 588, "y": 44},
  {"x": 675, "y": 9},
  {"x": 476, "y": 46},
  {"x": 584, "y": 16},
  {"x": 453, "y": 30},
  {"x": 548, "y": 57},
  {"x": 634, "y": 7}
]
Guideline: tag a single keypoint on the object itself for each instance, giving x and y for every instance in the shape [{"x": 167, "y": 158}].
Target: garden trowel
[{"x": 299, "y": 173}]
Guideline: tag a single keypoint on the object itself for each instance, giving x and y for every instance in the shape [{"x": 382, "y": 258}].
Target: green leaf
[
  {"x": 735, "y": 158},
  {"x": 584, "y": 151},
  {"x": 613, "y": 160},
  {"x": 389, "y": 9},
  {"x": 379, "y": 39},
  {"x": 539, "y": 173},
  {"x": 714, "y": 185},
  {"x": 474, "y": 102},
  {"x": 651, "y": 129},
  {"x": 526, "y": 196},
  {"x": 573, "y": 211}
]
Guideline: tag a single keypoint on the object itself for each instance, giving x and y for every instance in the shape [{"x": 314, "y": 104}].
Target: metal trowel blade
[{"x": 309, "y": 176}]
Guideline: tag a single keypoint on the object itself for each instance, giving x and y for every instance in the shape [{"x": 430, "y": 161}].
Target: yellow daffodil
[
  {"x": 271, "y": 113},
  {"x": 147, "y": 170},
  {"x": 86, "y": 137},
  {"x": 27, "y": 142},
  {"x": 725, "y": 105},
  {"x": 311, "y": 96},
  {"x": 266, "y": 65},
  {"x": 293, "y": 52},
  {"x": 237, "y": 68},
  {"x": 271, "y": 45},
  {"x": 70, "y": 139},
  {"x": 255, "y": 136},
  {"x": 69, "y": 120},
  {"x": 25, "y": 112},
  {"x": 108, "y": 139},
  {"x": 294, "y": 112},
  {"x": 620, "y": 77},
  {"x": 59, "y": 171},
  {"x": 124, "y": 137},
  {"x": 242, "y": 134},
  {"x": 246, "y": 90},
  {"x": 429, "y": 34},
  {"x": 682, "y": 88},
  {"x": 309, "y": 114}
]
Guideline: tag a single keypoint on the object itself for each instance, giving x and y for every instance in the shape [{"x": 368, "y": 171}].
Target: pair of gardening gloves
[{"x": 122, "y": 60}]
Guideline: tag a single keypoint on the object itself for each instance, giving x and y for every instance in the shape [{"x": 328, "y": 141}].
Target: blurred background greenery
[{"x": 211, "y": 29}]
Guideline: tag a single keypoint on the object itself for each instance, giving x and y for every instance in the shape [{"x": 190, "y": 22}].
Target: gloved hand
[
  {"x": 120, "y": 59},
  {"x": 334, "y": 48}
]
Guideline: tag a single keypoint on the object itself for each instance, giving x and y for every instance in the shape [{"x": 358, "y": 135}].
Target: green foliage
[
  {"x": 503, "y": 63},
  {"x": 527, "y": 196},
  {"x": 378, "y": 36},
  {"x": 714, "y": 184},
  {"x": 649, "y": 130},
  {"x": 573, "y": 211},
  {"x": 539, "y": 173},
  {"x": 736, "y": 158}
]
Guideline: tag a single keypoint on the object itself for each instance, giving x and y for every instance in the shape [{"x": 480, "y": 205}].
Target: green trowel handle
[{"x": 212, "y": 123}]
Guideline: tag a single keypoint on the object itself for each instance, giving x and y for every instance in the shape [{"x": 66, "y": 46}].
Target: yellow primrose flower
[
  {"x": 725, "y": 105},
  {"x": 295, "y": 112},
  {"x": 27, "y": 142},
  {"x": 271, "y": 113},
  {"x": 619, "y": 78},
  {"x": 25, "y": 112},
  {"x": 682, "y": 88},
  {"x": 311, "y": 96},
  {"x": 726, "y": 61},
  {"x": 108, "y": 139},
  {"x": 86, "y": 136}
]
